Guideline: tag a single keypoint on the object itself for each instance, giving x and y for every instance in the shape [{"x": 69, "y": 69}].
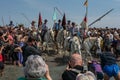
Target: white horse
[
  {"x": 49, "y": 39},
  {"x": 75, "y": 45},
  {"x": 89, "y": 44},
  {"x": 62, "y": 34},
  {"x": 72, "y": 44}
]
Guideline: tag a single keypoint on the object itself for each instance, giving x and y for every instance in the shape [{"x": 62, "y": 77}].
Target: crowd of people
[{"x": 21, "y": 45}]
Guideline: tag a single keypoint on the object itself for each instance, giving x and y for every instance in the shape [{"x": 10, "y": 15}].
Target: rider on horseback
[
  {"x": 44, "y": 29},
  {"x": 56, "y": 28}
]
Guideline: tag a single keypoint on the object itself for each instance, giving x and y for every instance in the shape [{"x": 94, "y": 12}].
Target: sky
[{"x": 24, "y": 11}]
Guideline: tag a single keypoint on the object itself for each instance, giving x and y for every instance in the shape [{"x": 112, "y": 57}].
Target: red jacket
[{"x": 1, "y": 58}]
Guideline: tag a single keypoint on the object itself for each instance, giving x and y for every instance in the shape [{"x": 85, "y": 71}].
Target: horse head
[
  {"x": 91, "y": 45},
  {"x": 49, "y": 36},
  {"x": 75, "y": 45}
]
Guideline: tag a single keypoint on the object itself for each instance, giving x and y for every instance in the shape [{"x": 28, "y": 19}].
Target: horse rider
[
  {"x": 32, "y": 25},
  {"x": 11, "y": 24},
  {"x": 73, "y": 29},
  {"x": 44, "y": 29},
  {"x": 56, "y": 28},
  {"x": 68, "y": 26}
]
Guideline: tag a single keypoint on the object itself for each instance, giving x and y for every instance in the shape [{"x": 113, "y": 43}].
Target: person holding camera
[{"x": 74, "y": 67}]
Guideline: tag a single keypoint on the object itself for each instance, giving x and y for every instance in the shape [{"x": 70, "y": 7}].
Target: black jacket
[
  {"x": 71, "y": 75},
  {"x": 29, "y": 50}
]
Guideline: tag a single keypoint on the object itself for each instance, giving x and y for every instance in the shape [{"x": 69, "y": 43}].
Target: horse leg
[{"x": 88, "y": 54}]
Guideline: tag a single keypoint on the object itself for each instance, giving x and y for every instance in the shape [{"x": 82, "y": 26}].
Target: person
[
  {"x": 33, "y": 25},
  {"x": 56, "y": 28},
  {"x": 35, "y": 69},
  {"x": 73, "y": 29},
  {"x": 44, "y": 29},
  {"x": 109, "y": 65},
  {"x": 75, "y": 64},
  {"x": 11, "y": 24},
  {"x": 95, "y": 67},
  {"x": 68, "y": 25},
  {"x": 29, "y": 49},
  {"x": 116, "y": 44},
  {"x": 1, "y": 60},
  {"x": 14, "y": 51}
]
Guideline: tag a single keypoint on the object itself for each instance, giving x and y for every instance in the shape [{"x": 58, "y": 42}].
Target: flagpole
[
  {"x": 53, "y": 14},
  {"x": 86, "y": 15},
  {"x": 40, "y": 21},
  {"x": 59, "y": 11},
  {"x": 87, "y": 10},
  {"x": 9, "y": 18}
]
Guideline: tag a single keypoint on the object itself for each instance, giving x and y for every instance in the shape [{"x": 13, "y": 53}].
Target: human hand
[{"x": 47, "y": 74}]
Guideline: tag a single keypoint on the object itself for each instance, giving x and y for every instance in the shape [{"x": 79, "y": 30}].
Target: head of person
[
  {"x": 11, "y": 22},
  {"x": 35, "y": 67},
  {"x": 75, "y": 59},
  {"x": 59, "y": 21},
  {"x": 68, "y": 22},
  {"x": 73, "y": 24},
  {"x": 33, "y": 23},
  {"x": 45, "y": 21},
  {"x": 88, "y": 76},
  {"x": 31, "y": 40}
]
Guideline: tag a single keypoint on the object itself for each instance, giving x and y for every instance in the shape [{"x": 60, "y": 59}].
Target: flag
[
  {"x": 84, "y": 23},
  {"x": 54, "y": 16},
  {"x": 86, "y": 3},
  {"x": 39, "y": 20},
  {"x": 64, "y": 21}
]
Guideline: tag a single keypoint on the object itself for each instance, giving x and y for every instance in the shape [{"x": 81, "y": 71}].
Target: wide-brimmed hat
[{"x": 33, "y": 22}]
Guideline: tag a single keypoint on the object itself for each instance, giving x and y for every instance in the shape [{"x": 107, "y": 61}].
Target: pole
[
  {"x": 9, "y": 18},
  {"x": 2, "y": 20},
  {"x": 26, "y": 17},
  {"x": 59, "y": 11},
  {"x": 100, "y": 17}
]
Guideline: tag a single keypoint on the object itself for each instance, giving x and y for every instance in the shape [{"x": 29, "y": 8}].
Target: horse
[
  {"x": 60, "y": 39},
  {"x": 71, "y": 45},
  {"x": 75, "y": 45},
  {"x": 91, "y": 44},
  {"x": 49, "y": 39}
]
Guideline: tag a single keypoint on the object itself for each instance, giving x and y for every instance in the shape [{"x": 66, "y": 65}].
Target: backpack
[{"x": 95, "y": 67}]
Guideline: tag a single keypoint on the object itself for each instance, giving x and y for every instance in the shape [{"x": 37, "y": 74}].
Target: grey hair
[{"x": 34, "y": 67}]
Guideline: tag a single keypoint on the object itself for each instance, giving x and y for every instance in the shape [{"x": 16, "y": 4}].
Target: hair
[
  {"x": 34, "y": 67},
  {"x": 30, "y": 39},
  {"x": 87, "y": 76}
]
